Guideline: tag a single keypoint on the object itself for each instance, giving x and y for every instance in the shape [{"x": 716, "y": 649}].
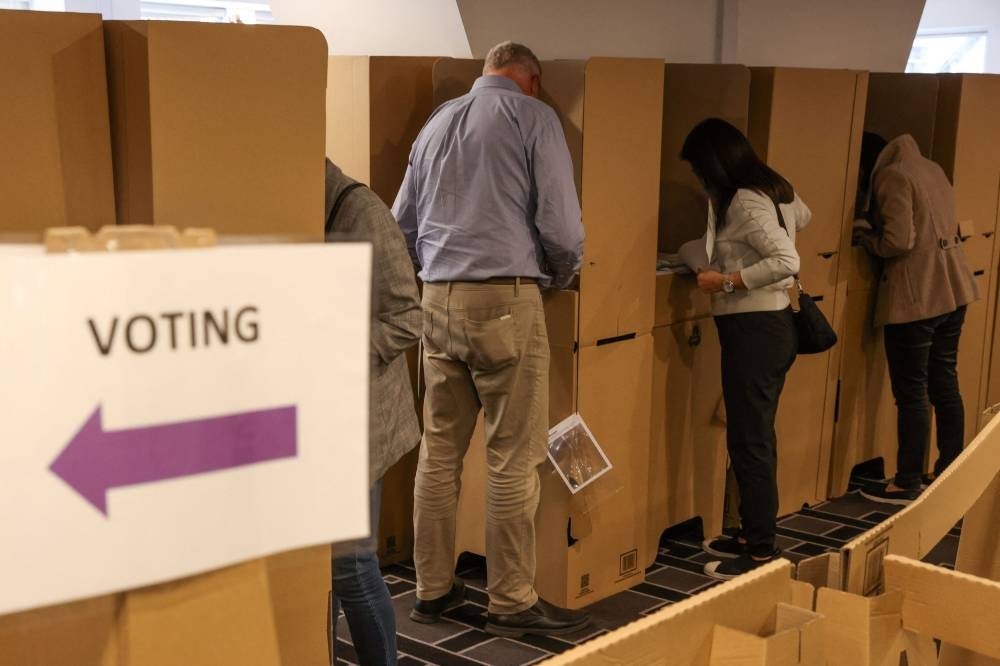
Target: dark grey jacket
[{"x": 396, "y": 319}]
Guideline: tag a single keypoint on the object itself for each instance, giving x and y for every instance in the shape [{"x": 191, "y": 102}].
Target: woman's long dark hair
[{"x": 724, "y": 160}]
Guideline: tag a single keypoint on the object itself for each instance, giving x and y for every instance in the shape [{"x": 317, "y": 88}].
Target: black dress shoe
[
  {"x": 429, "y": 612},
  {"x": 542, "y": 619}
]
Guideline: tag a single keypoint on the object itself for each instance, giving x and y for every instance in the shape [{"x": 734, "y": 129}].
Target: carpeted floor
[{"x": 676, "y": 575}]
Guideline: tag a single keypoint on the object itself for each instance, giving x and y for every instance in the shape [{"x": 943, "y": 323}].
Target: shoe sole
[
  {"x": 885, "y": 500},
  {"x": 716, "y": 553},
  {"x": 505, "y": 632}
]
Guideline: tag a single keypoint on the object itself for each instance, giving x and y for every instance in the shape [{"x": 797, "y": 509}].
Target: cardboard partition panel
[
  {"x": 83, "y": 633},
  {"x": 678, "y": 299},
  {"x": 591, "y": 545},
  {"x": 223, "y": 618},
  {"x": 919, "y": 527},
  {"x": 803, "y": 444},
  {"x": 687, "y": 453},
  {"x": 375, "y": 107},
  {"x": 973, "y": 360},
  {"x": 681, "y": 634},
  {"x": 299, "y": 582},
  {"x": 56, "y": 167},
  {"x": 866, "y": 423},
  {"x": 692, "y": 93},
  {"x": 238, "y": 146},
  {"x": 805, "y": 124},
  {"x": 952, "y": 607},
  {"x": 621, "y": 191},
  {"x": 861, "y": 631},
  {"x": 903, "y": 104}
]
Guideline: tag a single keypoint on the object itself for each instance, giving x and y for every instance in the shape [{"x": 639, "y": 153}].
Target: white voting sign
[{"x": 171, "y": 412}]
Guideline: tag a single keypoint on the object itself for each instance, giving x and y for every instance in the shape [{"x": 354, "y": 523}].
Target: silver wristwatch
[{"x": 728, "y": 285}]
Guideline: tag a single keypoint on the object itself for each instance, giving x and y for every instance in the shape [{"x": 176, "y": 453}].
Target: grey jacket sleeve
[{"x": 396, "y": 315}]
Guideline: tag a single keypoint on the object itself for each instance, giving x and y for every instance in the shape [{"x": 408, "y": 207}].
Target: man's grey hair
[{"x": 510, "y": 53}]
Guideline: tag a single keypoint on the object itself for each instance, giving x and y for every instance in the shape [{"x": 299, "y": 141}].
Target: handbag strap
[
  {"x": 781, "y": 221},
  {"x": 337, "y": 204}
]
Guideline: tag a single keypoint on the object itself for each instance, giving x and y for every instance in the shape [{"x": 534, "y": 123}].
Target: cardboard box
[
  {"x": 791, "y": 636},
  {"x": 376, "y": 106},
  {"x": 83, "y": 633},
  {"x": 223, "y": 618},
  {"x": 678, "y": 299},
  {"x": 687, "y": 453},
  {"x": 861, "y": 631},
  {"x": 691, "y": 94},
  {"x": 56, "y": 170},
  {"x": 218, "y": 126},
  {"x": 611, "y": 112},
  {"x": 299, "y": 582},
  {"x": 681, "y": 634}
]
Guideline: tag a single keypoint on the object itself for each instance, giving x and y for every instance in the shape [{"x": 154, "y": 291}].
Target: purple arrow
[{"x": 96, "y": 460}]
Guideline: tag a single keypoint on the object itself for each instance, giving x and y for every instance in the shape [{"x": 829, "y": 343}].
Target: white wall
[
  {"x": 858, "y": 34},
  {"x": 381, "y": 27},
  {"x": 964, "y": 14},
  {"x": 675, "y": 30}
]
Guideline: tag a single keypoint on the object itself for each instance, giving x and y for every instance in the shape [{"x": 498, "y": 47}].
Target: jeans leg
[
  {"x": 907, "y": 350},
  {"x": 943, "y": 389},
  {"x": 358, "y": 587}
]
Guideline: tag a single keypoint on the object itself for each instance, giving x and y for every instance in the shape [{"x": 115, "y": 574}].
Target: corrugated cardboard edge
[{"x": 744, "y": 603}]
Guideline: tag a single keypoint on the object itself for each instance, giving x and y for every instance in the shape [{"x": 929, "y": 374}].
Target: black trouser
[
  {"x": 758, "y": 348},
  {"x": 922, "y": 357}
]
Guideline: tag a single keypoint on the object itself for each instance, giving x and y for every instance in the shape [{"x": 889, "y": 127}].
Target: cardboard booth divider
[
  {"x": 237, "y": 146},
  {"x": 54, "y": 126},
  {"x": 807, "y": 124},
  {"x": 791, "y": 636},
  {"x": 861, "y": 631},
  {"x": 375, "y": 107},
  {"x": 691, "y": 94}
]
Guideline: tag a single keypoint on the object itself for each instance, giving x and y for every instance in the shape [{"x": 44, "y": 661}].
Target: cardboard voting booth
[{"x": 56, "y": 167}]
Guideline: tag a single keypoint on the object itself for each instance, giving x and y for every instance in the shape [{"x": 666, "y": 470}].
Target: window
[
  {"x": 210, "y": 11},
  {"x": 948, "y": 51}
]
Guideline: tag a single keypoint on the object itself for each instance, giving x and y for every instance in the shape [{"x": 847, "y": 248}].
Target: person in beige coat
[
  {"x": 925, "y": 286},
  {"x": 396, "y": 321}
]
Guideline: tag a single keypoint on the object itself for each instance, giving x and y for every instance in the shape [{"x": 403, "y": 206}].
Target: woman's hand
[{"x": 710, "y": 282}]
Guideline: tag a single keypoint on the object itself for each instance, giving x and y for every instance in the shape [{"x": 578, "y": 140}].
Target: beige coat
[
  {"x": 396, "y": 321},
  {"x": 925, "y": 273}
]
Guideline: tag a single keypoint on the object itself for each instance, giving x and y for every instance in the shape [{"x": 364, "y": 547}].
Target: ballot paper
[
  {"x": 695, "y": 255},
  {"x": 576, "y": 455}
]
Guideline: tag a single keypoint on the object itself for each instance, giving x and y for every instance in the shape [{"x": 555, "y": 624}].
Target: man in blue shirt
[{"x": 491, "y": 215}]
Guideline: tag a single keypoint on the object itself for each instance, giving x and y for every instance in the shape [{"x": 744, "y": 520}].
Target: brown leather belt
[{"x": 511, "y": 280}]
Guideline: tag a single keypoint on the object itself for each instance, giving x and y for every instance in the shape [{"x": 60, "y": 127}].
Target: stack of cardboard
[
  {"x": 807, "y": 124},
  {"x": 375, "y": 109},
  {"x": 592, "y": 544}
]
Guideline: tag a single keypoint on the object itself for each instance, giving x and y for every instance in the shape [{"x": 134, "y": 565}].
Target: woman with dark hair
[{"x": 754, "y": 215}]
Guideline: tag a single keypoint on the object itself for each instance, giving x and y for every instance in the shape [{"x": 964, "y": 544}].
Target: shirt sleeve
[
  {"x": 770, "y": 241},
  {"x": 557, "y": 216},
  {"x": 894, "y": 200},
  {"x": 404, "y": 209},
  {"x": 800, "y": 213}
]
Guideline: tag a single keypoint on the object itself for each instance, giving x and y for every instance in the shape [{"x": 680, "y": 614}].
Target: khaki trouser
[{"x": 485, "y": 346}]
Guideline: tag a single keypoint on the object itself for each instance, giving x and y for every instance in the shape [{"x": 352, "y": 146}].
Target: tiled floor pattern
[{"x": 676, "y": 575}]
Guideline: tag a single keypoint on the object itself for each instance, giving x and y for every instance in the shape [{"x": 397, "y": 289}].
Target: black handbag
[{"x": 815, "y": 333}]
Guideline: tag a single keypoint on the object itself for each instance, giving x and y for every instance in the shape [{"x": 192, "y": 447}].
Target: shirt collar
[{"x": 495, "y": 81}]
